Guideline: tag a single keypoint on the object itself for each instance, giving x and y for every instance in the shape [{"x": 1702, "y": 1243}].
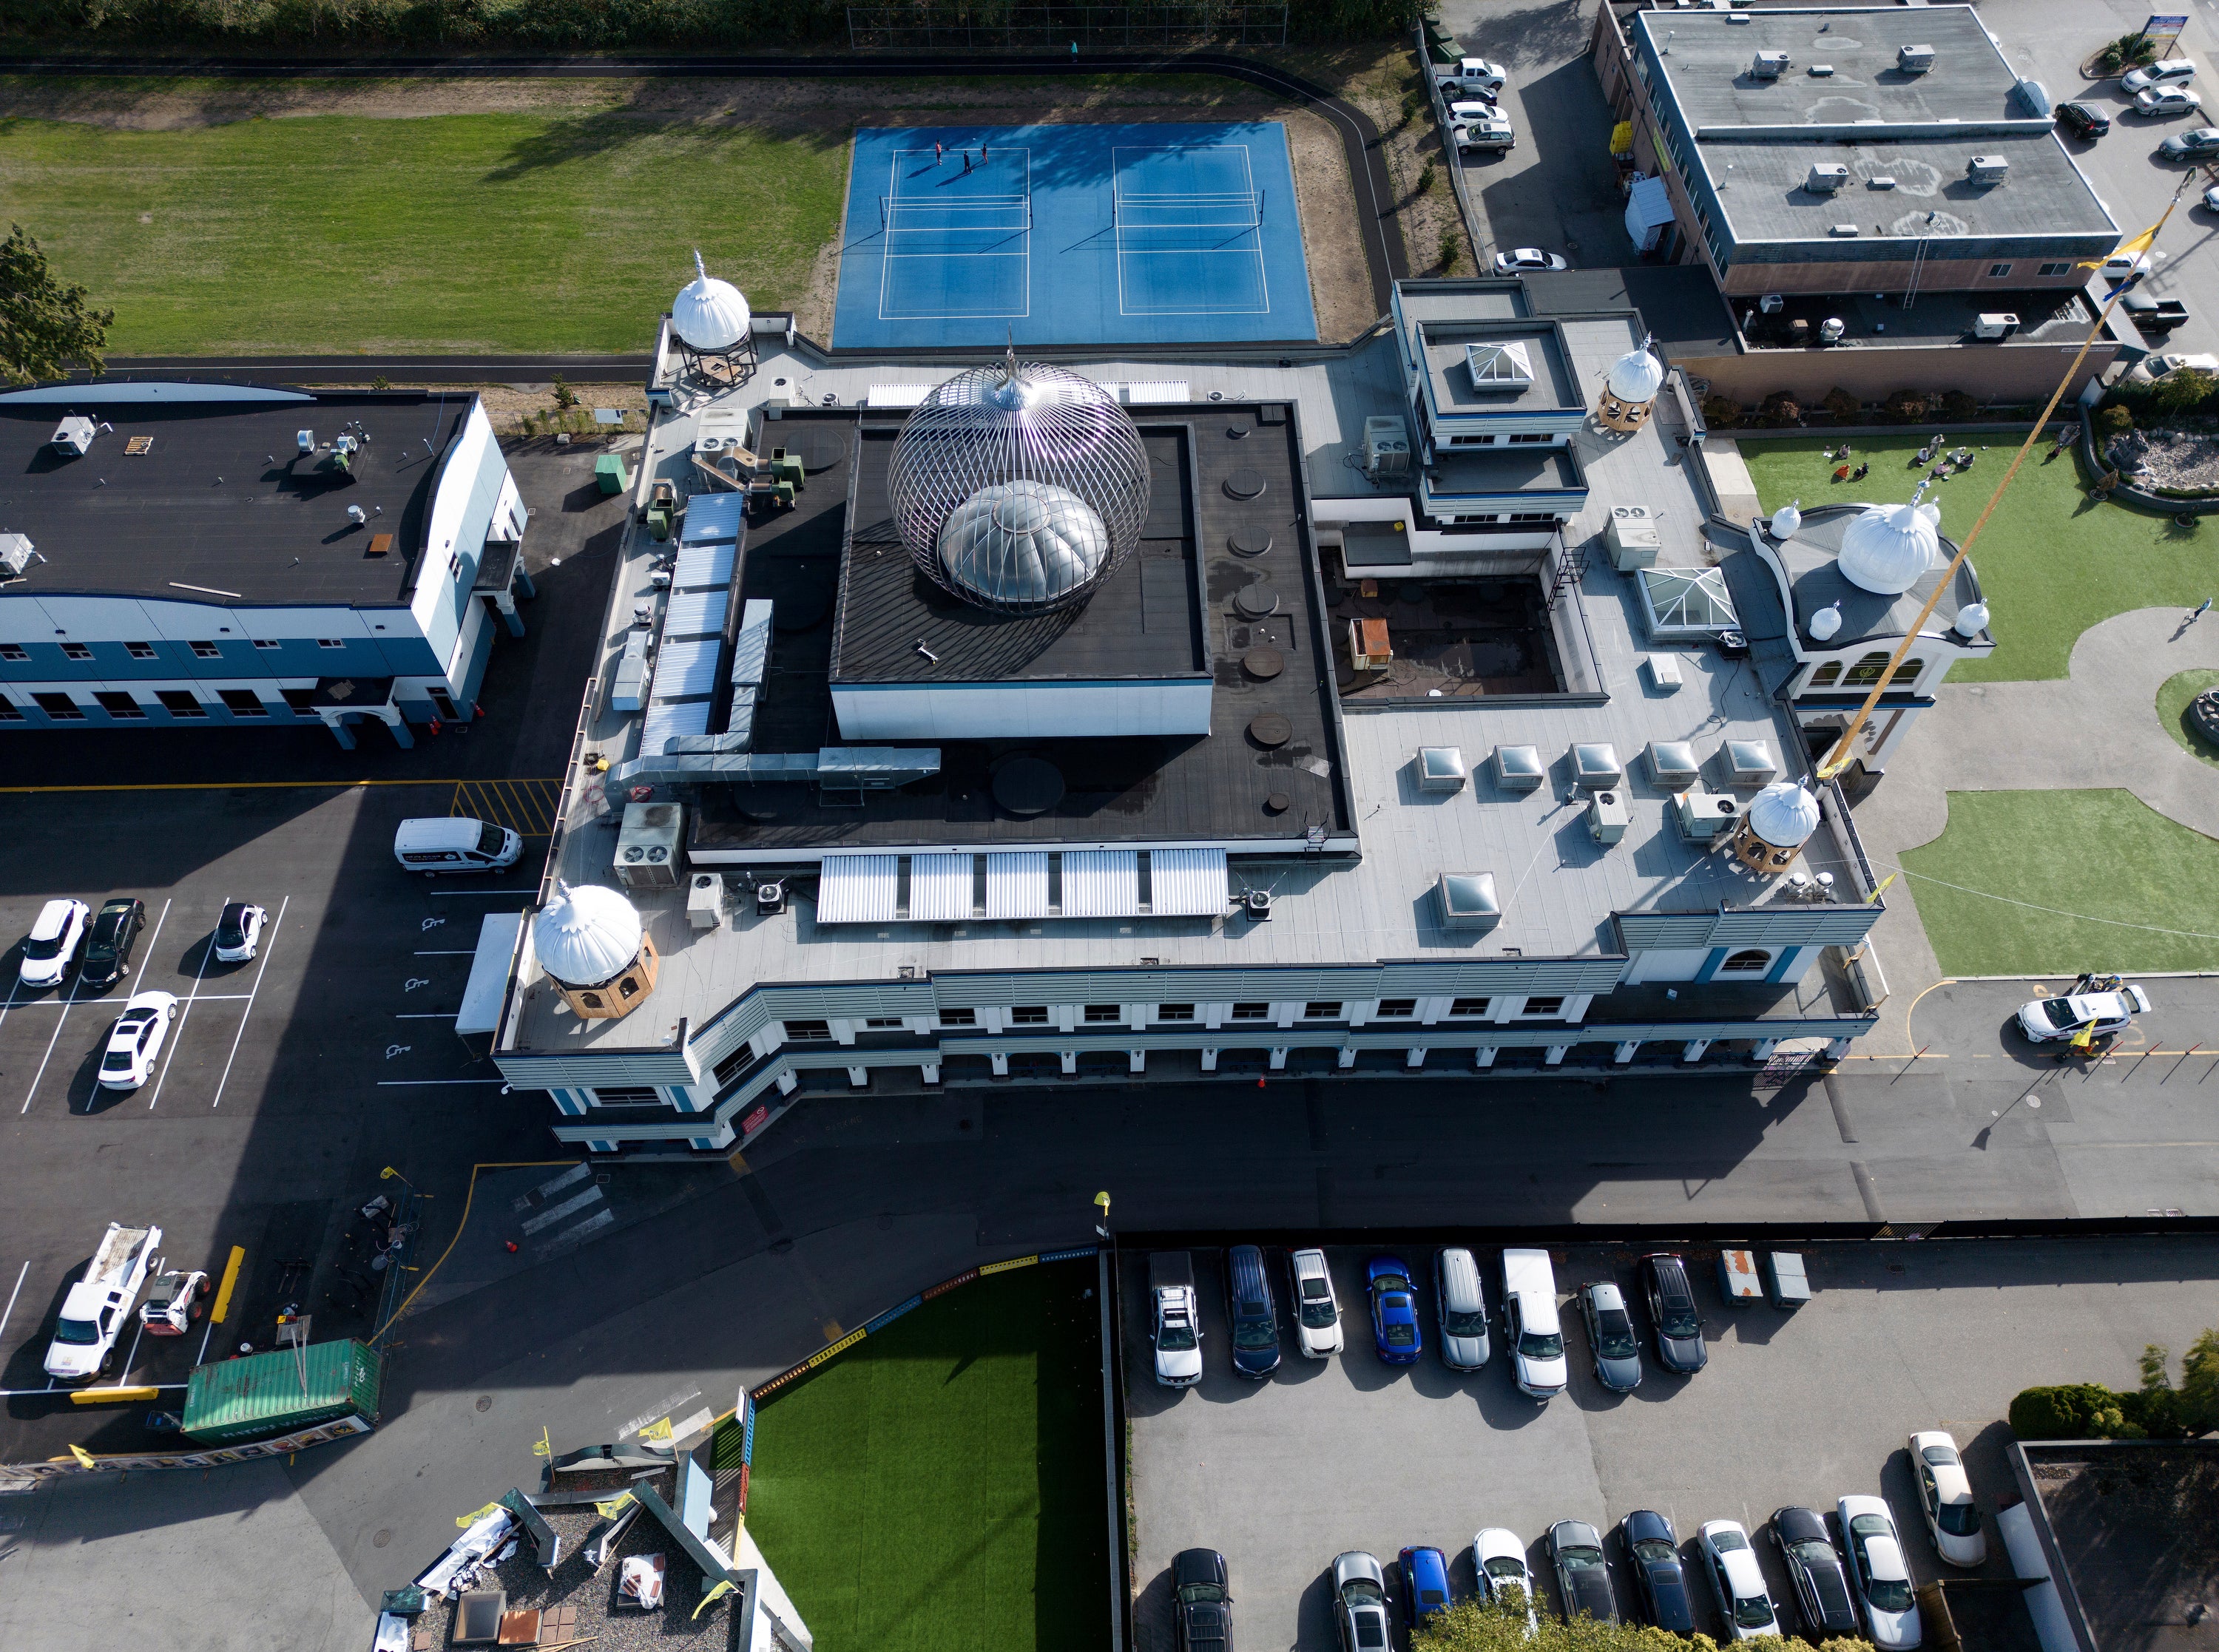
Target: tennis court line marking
[
  {"x": 1248, "y": 178},
  {"x": 1025, "y": 255}
]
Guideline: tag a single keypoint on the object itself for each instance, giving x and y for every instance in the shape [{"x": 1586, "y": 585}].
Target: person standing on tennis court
[
  {"x": 939, "y": 153},
  {"x": 967, "y": 162}
]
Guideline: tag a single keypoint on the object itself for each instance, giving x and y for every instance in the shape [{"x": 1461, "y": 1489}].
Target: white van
[
  {"x": 455, "y": 844},
  {"x": 1530, "y": 1326}
]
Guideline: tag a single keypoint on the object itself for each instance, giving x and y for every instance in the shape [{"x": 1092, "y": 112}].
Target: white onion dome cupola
[
  {"x": 1787, "y": 521},
  {"x": 709, "y": 315},
  {"x": 1780, "y": 821},
  {"x": 1889, "y": 548},
  {"x": 1629, "y": 389},
  {"x": 1826, "y": 622},
  {"x": 1019, "y": 486},
  {"x": 1971, "y": 619},
  {"x": 594, "y": 948}
]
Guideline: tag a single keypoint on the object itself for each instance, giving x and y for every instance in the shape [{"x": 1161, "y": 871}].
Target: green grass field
[
  {"x": 2051, "y": 563},
  {"x": 1995, "y": 888},
  {"x": 2173, "y": 697},
  {"x": 565, "y": 233},
  {"x": 939, "y": 1486}
]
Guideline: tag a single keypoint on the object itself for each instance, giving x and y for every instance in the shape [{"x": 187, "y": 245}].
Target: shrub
[
  {"x": 1721, "y": 412},
  {"x": 1482, "y": 1626},
  {"x": 1780, "y": 410},
  {"x": 1957, "y": 407},
  {"x": 2114, "y": 420},
  {"x": 1427, "y": 174},
  {"x": 1451, "y": 249},
  {"x": 2126, "y": 53},
  {"x": 564, "y": 395},
  {"x": 1907, "y": 407},
  {"x": 1844, "y": 407},
  {"x": 2063, "y": 1412},
  {"x": 2182, "y": 390},
  {"x": 381, "y": 382}
]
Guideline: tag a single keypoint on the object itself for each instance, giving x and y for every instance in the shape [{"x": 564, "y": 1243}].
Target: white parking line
[
  {"x": 428, "y": 1014},
  {"x": 131, "y": 1358},
  {"x": 415, "y": 1083},
  {"x": 50, "y": 1042},
  {"x": 177, "y": 1031},
  {"x": 267, "y": 947},
  {"x": 10, "y": 1004},
  {"x": 9, "y": 1312}
]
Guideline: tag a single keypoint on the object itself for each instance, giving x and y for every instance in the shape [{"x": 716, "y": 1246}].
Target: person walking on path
[{"x": 2199, "y": 612}]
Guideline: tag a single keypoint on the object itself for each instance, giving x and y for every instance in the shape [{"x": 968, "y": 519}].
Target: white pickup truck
[
  {"x": 1172, "y": 1325},
  {"x": 94, "y": 1312}
]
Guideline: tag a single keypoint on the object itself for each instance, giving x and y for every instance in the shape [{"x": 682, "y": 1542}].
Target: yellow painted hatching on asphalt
[
  {"x": 526, "y": 807},
  {"x": 230, "y": 1278}
]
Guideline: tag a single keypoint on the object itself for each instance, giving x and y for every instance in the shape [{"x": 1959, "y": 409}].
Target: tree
[
  {"x": 2182, "y": 390},
  {"x": 1488, "y": 1626},
  {"x": 46, "y": 327}
]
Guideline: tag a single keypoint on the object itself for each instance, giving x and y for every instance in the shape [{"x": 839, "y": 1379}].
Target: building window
[
  {"x": 180, "y": 702},
  {"x": 590, "y": 1000},
  {"x": 1754, "y": 961},
  {"x": 1533, "y": 516},
  {"x": 1476, "y": 519},
  {"x": 302, "y": 700},
  {"x": 1028, "y": 1015},
  {"x": 893, "y": 1023},
  {"x": 1397, "y": 1008},
  {"x": 9, "y": 711},
  {"x": 331, "y": 643},
  {"x": 61, "y": 707},
  {"x": 1461, "y": 1008},
  {"x": 803, "y": 1032},
  {"x": 139, "y": 651},
  {"x": 1827, "y": 674},
  {"x": 268, "y": 642},
  {"x": 2056, "y": 270},
  {"x": 1906, "y": 673},
  {"x": 1322, "y": 1010},
  {"x": 1471, "y": 441},
  {"x": 1099, "y": 1014},
  {"x": 1174, "y": 1012},
  {"x": 1541, "y": 1007},
  {"x": 205, "y": 651},
  {"x": 119, "y": 704},
  {"x": 242, "y": 702},
  {"x": 950, "y": 1018},
  {"x": 1252, "y": 1012},
  {"x": 443, "y": 705},
  {"x": 626, "y": 1095},
  {"x": 1867, "y": 671},
  {"x": 1998, "y": 272},
  {"x": 76, "y": 651},
  {"x": 1533, "y": 436},
  {"x": 14, "y": 651}
]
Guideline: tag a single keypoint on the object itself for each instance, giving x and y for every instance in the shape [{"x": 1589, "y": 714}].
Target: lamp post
[{"x": 1102, "y": 1222}]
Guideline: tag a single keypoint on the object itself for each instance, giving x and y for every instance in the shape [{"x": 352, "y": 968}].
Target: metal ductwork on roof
[{"x": 705, "y": 761}]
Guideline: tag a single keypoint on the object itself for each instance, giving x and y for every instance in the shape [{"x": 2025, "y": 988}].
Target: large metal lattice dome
[{"x": 1019, "y": 486}]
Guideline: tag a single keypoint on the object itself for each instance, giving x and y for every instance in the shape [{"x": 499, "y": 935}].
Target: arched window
[
  {"x": 1906, "y": 673},
  {"x": 1754, "y": 961},
  {"x": 591, "y": 1000},
  {"x": 1827, "y": 674},
  {"x": 1867, "y": 670}
]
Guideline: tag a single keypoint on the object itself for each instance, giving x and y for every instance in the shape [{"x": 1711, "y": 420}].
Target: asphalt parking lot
[{"x": 1329, "y": 1455}]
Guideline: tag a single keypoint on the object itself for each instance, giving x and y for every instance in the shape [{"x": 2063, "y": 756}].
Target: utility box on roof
[
  {"x": 261, "y": 1395},
  {"x": 609, "y": 471}
]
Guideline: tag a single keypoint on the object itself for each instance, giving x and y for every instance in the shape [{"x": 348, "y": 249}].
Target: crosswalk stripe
[{"x": 570, "y": 1206}]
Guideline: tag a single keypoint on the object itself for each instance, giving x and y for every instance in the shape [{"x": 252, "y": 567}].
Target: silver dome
[
  {"x": 1022, "y": 547},
  {"x": 1019, "y": 422}
]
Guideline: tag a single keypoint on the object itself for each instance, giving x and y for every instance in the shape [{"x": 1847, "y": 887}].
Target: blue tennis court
[{"x": 1072, "y": 234}]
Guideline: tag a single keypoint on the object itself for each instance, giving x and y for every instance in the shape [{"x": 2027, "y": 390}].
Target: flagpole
[{"x": 1839, "y": 758}]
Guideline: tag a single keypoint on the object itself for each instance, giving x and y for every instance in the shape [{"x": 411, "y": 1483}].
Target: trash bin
[{"x": 609, "y": 471}]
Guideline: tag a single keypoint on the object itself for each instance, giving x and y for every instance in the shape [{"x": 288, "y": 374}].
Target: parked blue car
[
  {"x": 1395, "y": 1330},
  {"x": 1425, "y": 1585},
  {"x": 1255, "y": 1317}
]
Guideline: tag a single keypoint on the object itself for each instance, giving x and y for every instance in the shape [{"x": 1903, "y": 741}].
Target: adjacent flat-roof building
[
  {"x": 181, "y": 555},
  {"x": 1838, "y": 150},
  {"x": 1366, "y": 814}
]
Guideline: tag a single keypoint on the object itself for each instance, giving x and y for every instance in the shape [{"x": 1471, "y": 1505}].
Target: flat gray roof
[
  {"x": 1502, "y": 470},
  {"x": 1456, "y": 391}
]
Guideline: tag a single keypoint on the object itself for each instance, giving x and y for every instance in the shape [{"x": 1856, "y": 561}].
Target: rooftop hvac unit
[
  {"x": 1914, "y": 60},
  {"x": 1987, "y": 169},
  {"x": 1820, "y": 71},
  {"x": 1770, "y": 65},
  {"x": 1831, "y": 329},
  {"x": 1386, "y": 446},
  {"x": 1995, "y": 324},
  {"x": 628, "y": 689},
  {"x": 73, "y": 435},
  {"x": 1842, "y": 229},
  {"x": 1771, "y": 303},
  {"x": 16, "y": 554},
  {"x": 1607, "y": 816},
  {"x": 1881, "y": 183},
  {"x": 1632, "y": 537},
  {"x": 1705, "y": 816},
  {"x": 1826, "y": 177},
  {"x": 650, "y": 845}
]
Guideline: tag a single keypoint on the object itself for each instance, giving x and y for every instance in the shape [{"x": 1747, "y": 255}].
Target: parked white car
[
  {"x": 237, "y": 932},
  {"x": 2159, "y": 367},
  {"x": 1498, "y": 1561},
  {"x": 1520, "y": 259},
  {"x": 53, "y": 943},
  {"x": 1317, "y": 1310},
  {"x": 1481, "y": 125},
  {"x": 1878, "y": 1575},
  {"x": 1945, "y": 1497},
  {"x": 2165, "y": 71},
  {"x": 2165, "y": 102},
  {"x": 1736, "y": 1579},
  {"x": 136, "y": 1040},
  {"x": 2045, "y": 1019}
]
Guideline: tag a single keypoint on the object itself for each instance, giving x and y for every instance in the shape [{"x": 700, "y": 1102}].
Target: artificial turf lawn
[
  {"x": 2104, "y": 853},
  {"x": 564, "y": 233},
  {"x": 2051, "y": 563},
  {"x": 2172, "y": 697},
  {"x": 939, "y": 1486}
]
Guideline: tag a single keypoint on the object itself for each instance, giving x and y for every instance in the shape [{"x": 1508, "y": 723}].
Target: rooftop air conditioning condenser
[
  {"x": 1770, "y": 65},
  {"x": 1826, "y": 177},
  {"x": 1386, "y": 446},
  {"x": 651, "y": 845}
]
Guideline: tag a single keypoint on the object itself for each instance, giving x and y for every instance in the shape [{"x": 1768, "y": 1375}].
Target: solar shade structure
[
  {"x": 1101, "y": 883},
  {"x": 858, "y": 888},
  {"x": 1187, "y": 883},
  {"x": 973, "y": 529},
  {"x": 940, "y": 888},
  {"x": 1016, "y": 885}
]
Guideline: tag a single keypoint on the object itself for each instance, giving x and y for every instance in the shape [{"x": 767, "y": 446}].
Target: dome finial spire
[{"x": 699, "y": 268}]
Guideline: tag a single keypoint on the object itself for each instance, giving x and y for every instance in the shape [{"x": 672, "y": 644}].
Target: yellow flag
[
  {"x": 84, "y": 1458},
  {"x": 1882, "y": 888},
  {"x": 466, "y": 1521},
  {"x": 2142, "y": 243}
]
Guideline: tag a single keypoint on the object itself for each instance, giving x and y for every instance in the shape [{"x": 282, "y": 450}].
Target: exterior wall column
[
  {"x": 1285, "y": 1015},
  {"x": 1430, "y": 1010},
  {"x": 1504, "y": 1007},
  {"x": 1416, "y": 1058},
  {"x": 1209, "y": 1061},
  {"x": 1069, "y": 1059},
  {"x": 1137, "y": 1060},
  {"x": 1347, "y": 1057},
  {"x": 859, "y": 1076},
  {"x": 1764, "y": 1049},
  {"x": 1279, "y": 1059},
  {"x": 1483, "y": 1057},
  {"x": 1000, "y": 1064},
  {"x": 843, "y": 1030},
  {"x": 1624, "y": 1053},
  {"x": 788, "y": 1084},
  {"x": 994, "y": 1018},
  {"x": 931, "y": 1071},
  {"x": 1213, "y": 1014},
  {"x": 1836, "y": 1049},
  {"x": 766, "y": 1042},
  {"x": 506, "y": 602},
  {"x": 1575, "y": 1005},
  {"x": 1555, "y": 1054},
  {"x": 1136, "y": 1016},
  {"x": 568, "y": 1102},
  {"x": 1694, "y": 1049},
  {"x": 1361, "y": 1012},
  {"x": 1898, "y": 725},
  {"x": 1066, "y": 1018}
]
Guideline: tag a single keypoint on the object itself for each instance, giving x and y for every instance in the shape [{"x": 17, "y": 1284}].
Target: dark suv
[
  {"x": 2083, "y": 121},
  {"x": 1255, "y": 1317},
  {"x": 1199, "y": 1599},
  {"x": 1680, "y": 1346},
  {"x": 107, "y": 953}
]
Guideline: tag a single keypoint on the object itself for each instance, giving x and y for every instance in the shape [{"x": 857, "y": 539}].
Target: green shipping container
[{"x": 283, "y": 1391}]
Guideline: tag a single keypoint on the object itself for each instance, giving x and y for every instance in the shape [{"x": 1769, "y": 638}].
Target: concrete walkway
[{"x": 2097, "y": 728}]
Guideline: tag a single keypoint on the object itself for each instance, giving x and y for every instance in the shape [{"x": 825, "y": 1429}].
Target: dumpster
[
  {"x": 283, "y": 1391},
  {"x": 1786, "y": 1283},
  {"x": 1738, "y": 1278},
  {"x": 609, "y": 471}
]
